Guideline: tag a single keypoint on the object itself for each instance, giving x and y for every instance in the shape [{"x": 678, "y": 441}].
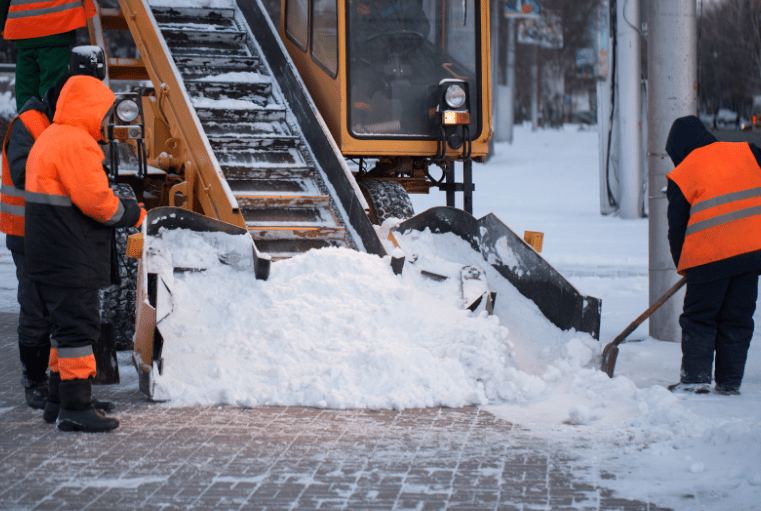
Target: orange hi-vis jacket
[
  {"x": 31, "y": 19},
  {"x": 11, "y": 197},
  {"x": 70, "y": 209},
  {"x": 722, "y": 183}
]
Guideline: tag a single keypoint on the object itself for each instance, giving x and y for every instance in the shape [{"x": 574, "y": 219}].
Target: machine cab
[{"x": 396, "y": 77}]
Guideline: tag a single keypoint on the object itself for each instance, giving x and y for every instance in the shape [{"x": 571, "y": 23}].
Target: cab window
[
  {"x": 325, "y": 34},
  {"x": 399, "y": 51},
  {"x": 296, "y": 21}
]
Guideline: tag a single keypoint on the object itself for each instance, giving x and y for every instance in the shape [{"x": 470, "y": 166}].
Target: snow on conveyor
[{"x": 336, "y": 328}]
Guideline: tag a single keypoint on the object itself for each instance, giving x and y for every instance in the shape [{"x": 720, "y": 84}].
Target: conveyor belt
[{"x": 260, "y": 149}]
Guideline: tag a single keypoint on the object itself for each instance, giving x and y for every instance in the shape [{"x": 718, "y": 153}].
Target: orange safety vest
[
  {"x": 12, "y": 203},
  {"x": 722, "y": 183},
  {"x": 27, "y": 20}
]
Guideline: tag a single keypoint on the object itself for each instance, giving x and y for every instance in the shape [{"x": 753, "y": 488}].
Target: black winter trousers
[
  {"x": 74, "y": 315},
  {"x": 34, "y": 321},
  {"x": 33, "y": 325},
  {"x": 718, "y": 317}
]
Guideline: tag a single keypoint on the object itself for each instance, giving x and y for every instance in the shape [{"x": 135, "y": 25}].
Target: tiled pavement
[{"x": 271, "y": 458}]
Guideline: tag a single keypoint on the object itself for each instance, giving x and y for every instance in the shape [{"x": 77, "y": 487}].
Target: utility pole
[
  {"x": 510, "y": 111},
  {"x": 534, "y": 87},
  {"x": 496, "y": 104},
  {"x": 607, "y": 135},
  {"x": 672, "y": 93},
  {"x": 629, "y": 82},
  {"x": 507, "y": 92}
]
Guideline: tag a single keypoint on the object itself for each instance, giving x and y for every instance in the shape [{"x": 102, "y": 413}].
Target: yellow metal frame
[
  {"x": 328, "y": 92},
  {"x": 172, "y": 125}
]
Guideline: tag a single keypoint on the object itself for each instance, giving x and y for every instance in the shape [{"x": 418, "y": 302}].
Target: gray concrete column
[
  {"x": 535, "y": 87},
  {"x": 506, "y": 93},
  {"x": 672, "y": 93},
  {"x": 629, "y": 83}
]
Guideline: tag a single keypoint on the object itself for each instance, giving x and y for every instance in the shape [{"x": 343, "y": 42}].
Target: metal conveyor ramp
[{"x": 261, "y": 146}]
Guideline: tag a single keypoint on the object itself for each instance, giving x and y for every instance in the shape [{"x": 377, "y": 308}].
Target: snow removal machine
[{"x": 237, "y": 128}]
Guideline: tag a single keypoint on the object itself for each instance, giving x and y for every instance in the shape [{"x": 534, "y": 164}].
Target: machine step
[
  {"x": 262, "y": 157},
  {"x": 295, "y": 232},
  {"x": 282, "y": 201}
]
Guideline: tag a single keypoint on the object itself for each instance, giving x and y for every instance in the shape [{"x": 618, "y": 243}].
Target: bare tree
[
  {"x": 729, "y": 54},
  {"x": 578, "y": 17}
]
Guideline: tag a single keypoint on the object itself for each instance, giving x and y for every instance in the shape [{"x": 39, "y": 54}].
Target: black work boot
[
  {"x": 77, "y": 412},
  {"x": 727, "y": 390},
  {"x": 691, "y": 388},
  {"x": 36, "y": 394},
  {"x": 34, "y": 364},
  {"x": 53, "y": 404}
]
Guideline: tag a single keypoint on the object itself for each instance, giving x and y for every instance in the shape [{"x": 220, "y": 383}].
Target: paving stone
[{"x": 279, "y": 458}]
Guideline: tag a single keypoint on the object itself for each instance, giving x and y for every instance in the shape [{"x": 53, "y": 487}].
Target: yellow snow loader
[{"x": 227, "y": 138}]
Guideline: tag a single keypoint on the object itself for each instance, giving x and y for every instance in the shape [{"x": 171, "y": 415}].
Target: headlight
[
  {"x": 127, "y": 110},
  {"x": 455, "y": 96}
]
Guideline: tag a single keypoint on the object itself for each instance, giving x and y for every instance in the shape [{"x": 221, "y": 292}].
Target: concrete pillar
[
  {"x": 534, "y": 87},
  {"x": 507, "y": 92},
  {"x": 629, "y": 80},
  {"x": 607, "y": 136},
  {"x": 496, "y": 107},
  {"x": 672, "y": 93}
]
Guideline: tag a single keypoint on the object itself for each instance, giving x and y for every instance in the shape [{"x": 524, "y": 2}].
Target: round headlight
[
  {"x": 455, "y": 96},
  {"x": 127, "y": 110}
]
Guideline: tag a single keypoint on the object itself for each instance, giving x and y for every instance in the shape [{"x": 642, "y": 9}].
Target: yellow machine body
[{"x": 335, "y": 49}]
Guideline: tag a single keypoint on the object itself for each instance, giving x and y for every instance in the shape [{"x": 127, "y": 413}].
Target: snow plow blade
[
  {"x": 516, "y": 261},
  {"x": 154, "y": 298}
]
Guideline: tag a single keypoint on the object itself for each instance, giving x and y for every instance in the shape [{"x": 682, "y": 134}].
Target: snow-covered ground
[{"x": 335, "y": 328}]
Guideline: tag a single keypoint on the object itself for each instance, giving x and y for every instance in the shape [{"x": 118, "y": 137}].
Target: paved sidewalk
[{"x": 271, "y": 458}]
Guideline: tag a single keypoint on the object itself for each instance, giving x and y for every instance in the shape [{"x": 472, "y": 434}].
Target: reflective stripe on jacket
[
  {"x": 722, "y": 183},
  {"x": 29, "y": 19},
  {"x": 12, "y": 197}
]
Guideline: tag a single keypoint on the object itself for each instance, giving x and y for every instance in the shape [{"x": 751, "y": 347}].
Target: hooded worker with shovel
[{"x": 714, "y": 217}]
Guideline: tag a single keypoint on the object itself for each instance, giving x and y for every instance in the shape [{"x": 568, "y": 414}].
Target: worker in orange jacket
[
  {"x": 44, "y": 32},
  {"x": 714, "y": 217},
  {"x": 70, "y": 214},
  {"x": 34, "y": 323}
]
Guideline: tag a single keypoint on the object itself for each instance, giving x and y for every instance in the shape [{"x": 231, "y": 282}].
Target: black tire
[
  {"x": 387, "y": 199},
  {"x": 117, "y": 302}
]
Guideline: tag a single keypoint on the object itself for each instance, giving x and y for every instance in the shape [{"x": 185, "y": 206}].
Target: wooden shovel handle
[{"x": 654, "y": 307}]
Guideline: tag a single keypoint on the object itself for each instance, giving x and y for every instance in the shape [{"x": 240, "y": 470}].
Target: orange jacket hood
[{"x": 84, "y": 102}]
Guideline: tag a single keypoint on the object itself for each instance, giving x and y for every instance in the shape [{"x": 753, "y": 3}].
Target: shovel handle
[{"x": 654, "y": 307}]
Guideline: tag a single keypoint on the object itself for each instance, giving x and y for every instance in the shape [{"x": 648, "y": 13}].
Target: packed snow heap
[{"x": 336, "y": 328}]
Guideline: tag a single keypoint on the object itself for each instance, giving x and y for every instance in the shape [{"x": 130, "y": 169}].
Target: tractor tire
[
  {"x": 387, "y": 199},
  {"x": 117, "y": 302}
]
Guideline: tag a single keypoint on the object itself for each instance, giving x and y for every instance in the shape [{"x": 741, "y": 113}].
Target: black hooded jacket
[{"x": 686, "y": 135}]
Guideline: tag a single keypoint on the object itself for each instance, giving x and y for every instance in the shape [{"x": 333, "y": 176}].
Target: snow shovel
[{"x": 610, "y": 353}]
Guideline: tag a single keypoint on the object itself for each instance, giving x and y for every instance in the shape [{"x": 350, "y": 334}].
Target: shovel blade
[{"x": 609, "y": 356}]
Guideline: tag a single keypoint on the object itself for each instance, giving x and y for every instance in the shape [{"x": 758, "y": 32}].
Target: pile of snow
[{"x": 336, "y": 328}]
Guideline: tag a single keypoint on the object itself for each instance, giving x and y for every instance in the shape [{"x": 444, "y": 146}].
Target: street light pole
[
  {"x": 629, "y": 82},
  {"x": 672, "y": 93}
]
